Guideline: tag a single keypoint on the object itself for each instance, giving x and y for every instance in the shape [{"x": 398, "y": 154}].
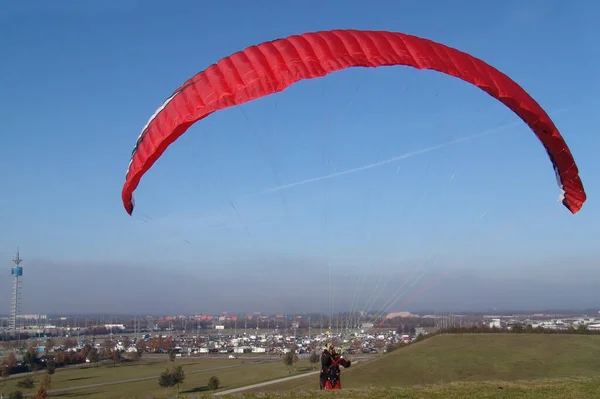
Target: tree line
[{"x": 518, "y": 328}]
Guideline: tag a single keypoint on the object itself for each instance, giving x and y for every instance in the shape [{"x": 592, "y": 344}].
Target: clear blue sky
[{"x": 79, "y": 79}]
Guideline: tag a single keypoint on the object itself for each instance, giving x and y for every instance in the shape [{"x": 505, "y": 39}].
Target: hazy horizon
[{"x": 141, "y": 289}]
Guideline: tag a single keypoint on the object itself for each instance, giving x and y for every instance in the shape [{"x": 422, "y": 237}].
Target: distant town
[{"x": 260, "y": 333}]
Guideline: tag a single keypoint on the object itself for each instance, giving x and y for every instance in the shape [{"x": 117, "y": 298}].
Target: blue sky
[{"x": 79, "y": 79}]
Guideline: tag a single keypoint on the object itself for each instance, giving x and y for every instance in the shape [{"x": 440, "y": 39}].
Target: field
[
  {"x": 537, "y": 389},
  {"x": 473, "y": 358},
  {"x": 112, "y": 382},
  {"x": 446, "y": 366}
]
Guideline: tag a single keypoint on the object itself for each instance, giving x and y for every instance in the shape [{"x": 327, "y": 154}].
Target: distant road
[{"x": 262, "y": 384}]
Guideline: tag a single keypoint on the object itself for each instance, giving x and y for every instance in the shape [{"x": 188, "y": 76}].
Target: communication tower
[{"x": 17, "y": 272}]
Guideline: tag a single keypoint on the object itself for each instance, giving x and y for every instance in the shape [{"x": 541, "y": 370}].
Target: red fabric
[
  {"x": 338, "y": 384},
  {"x": 273, "y": 66}
]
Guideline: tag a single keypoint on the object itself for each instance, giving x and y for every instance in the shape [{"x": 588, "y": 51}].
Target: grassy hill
[
  {"x": 446, "y": 366},
  {"x": 475, "y": 357},
  {"x": 537, "y": 389}
]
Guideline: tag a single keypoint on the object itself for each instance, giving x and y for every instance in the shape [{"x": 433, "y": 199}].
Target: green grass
[
  {"x": 447, "y": 366},
  {"x": 247, "y": 374},
  {"x": 539, "y": 389},
  {"x": 198, "y": 371},
  {"x": 472, "y": 357}
]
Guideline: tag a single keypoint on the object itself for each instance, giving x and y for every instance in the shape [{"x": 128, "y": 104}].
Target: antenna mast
[{"x": 16, "y": 272}]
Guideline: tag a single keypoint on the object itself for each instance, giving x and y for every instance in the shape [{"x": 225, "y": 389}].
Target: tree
[
  {"x": 126, "y": 342},
  {"x": 50, "y": 368},
  {"x": 5, "y": 373},
  {"x": 159, "y": 344},
  {"x": 172, "y": 356},
  {"x": 141, "y": 346},
  {"x": 166, "y": 380},
  {"x": 115, "y": 355},
  {"x": 30, "y": 358},
  {"x": 45, "y": 381},
  {"x": 178, "y": 376},
  {"x": 15, "y": 395},
  {"x": 171, "y": 378},
  {"x": 154, "y": 344},
  {"x": 314, "y": 358},
  {"x": 168, "y": 344},
  {"x": 60, "y": 358},
  {"x": 517, "y": 328},
  {"x": 107, "y": 347},
  {"x": 420, "y": 338},
  {"x": 213, "y": 383},
  {"x": 85, "y": 351},
  {"x": 10, "y": 360},
  {"x": 93, "y": 356},
  {"x": 528, "y": 329},
  {"x": 42, "y": 392},
  {"x": 26, "y": 383},
  {"x": 290, "y": 359}
]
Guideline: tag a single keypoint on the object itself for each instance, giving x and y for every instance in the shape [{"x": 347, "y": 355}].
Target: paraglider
[
  {"x": 329, "y": 378},
  {"x": 271, "y": 67}
]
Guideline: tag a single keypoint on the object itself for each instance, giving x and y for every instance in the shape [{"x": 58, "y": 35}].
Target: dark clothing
[
  {"x": 325, "y": 359},
  {"x": 330, "y": 370}
]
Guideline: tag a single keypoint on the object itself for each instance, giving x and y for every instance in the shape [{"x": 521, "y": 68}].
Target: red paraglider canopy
[{"x": 271, "y": 67}]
